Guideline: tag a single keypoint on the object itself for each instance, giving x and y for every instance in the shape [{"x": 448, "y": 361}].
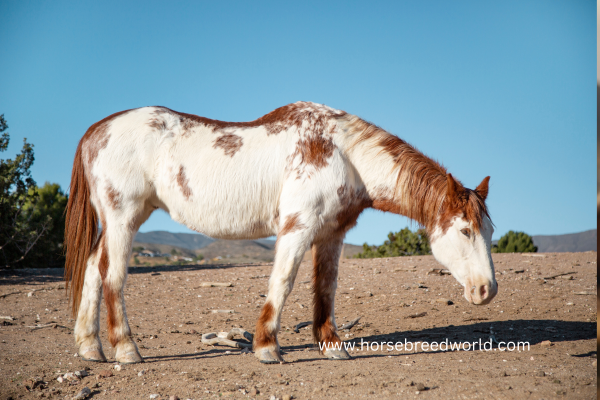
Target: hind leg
[
  {"x": 115, "y": 249},
  {"x": 326, "y": 257},
  {"x": 87, "y": 326}
]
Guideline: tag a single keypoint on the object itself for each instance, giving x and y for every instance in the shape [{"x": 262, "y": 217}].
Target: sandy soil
[{"x": 168, "y": 312}]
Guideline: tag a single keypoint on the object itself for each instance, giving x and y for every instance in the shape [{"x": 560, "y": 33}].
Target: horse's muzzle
[{"x": 480, "y": 293}]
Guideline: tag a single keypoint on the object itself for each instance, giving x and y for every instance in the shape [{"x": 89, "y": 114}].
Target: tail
[{"x": 81, "y": 231}]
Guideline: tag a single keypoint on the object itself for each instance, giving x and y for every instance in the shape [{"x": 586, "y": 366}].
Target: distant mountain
[
  {"x": 573, "y": 242},
  {"x": 263, "y": 249},
  {"x": 190, "y": 244},
  {"x": 191, "y": 241}
]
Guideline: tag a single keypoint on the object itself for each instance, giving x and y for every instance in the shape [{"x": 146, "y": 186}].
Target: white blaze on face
[{"x": 467, "y": 254}]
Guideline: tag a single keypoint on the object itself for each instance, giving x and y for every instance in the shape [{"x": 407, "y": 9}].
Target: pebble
[
  {"x": 286, "y": 397},
  {"x": 154, "y": 396},
  {"x": 60, "y": 379},
  {"x": 420, "y": 387},
  {"x": 142, "y": 372},
  {"x": 540, "y": 373},
  {"x": 81, "y": 374},
  {"x": 105, "y": 373},
  {"x": 83, "y": 393},
  {"x": 69, "y": 376},
  {"x": 546, "y": 343},
  {"x": 173, "y": 398},
  {"x": 254, "y": 391},
  {"x": 117, "y": 367}
]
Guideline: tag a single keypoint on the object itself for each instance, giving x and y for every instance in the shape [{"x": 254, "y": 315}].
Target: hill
[
  {"x": 573, "y": 242},
  {"x": 190, "y": 241},
  {"x": 190, "y": 244}
]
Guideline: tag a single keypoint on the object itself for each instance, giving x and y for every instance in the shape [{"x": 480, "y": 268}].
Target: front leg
[
  {"x": 326, "y": 257},
  {"x": 292, "y": 241}
]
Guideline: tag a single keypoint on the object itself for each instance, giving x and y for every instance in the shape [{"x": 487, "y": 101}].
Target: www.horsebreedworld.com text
[{"x": 423, "y": 346}]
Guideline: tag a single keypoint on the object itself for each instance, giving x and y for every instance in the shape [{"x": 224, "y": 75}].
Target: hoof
[
  {"x": 92, "y": 354},
  {"x": 268, "y": 356},
  {"x": 131, "y": 357},
  {"x": 335, "y": 354},
  {"x": 128, "y": 354}
]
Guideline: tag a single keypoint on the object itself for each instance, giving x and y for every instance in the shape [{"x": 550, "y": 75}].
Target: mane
[{"x": 421, "y": 187}]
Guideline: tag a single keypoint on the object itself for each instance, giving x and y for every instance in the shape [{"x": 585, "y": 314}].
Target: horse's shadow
[
  {"x": 499, "y": 334},
  {"x": 514, "y": 331}
]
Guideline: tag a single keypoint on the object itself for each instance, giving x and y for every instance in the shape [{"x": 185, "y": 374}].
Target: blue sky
[{"x": 505, "y": 89}]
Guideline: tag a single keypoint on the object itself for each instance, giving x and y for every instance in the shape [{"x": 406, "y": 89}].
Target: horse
[{"x": 303, "y": 172}]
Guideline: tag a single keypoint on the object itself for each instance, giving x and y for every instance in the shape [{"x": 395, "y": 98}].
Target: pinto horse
[{"x": 303, "y": 172}]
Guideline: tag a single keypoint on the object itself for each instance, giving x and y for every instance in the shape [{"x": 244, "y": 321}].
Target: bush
[
  {"x": 515, "y": 242},
  {"x": 403, "y": 243},
  {"x": 20, "y": 228},
  {"x": 47, "y": 207}
]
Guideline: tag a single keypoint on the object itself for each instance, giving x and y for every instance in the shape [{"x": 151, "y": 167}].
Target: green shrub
[
  {"x": 403, "y": 243},
  {"x": 515, "y": 242}
]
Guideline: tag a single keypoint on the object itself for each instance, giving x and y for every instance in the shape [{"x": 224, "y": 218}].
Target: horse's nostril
[{"x": 483, "y": 291}]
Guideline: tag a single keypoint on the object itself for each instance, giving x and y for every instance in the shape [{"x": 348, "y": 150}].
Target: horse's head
[{"x": 461, "y": 240}]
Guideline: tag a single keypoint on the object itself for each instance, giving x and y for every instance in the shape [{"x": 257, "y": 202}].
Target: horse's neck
[{"x": 397, "y": 177}]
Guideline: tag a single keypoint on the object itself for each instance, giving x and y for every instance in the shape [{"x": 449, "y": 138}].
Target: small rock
[
  {"x": 60, "y": 379},
  {"x": 117, "y": 367},
  {"x": 595, "y": 363},
  {"x": 420, "y": 387},
  {"x": 83, "y": 393},
  {"x": 445, "y": 301},
  {"x": 286, "y": 397},
  {"x": 105, "y": 373},
  {"x": 69, "y": 376},
  {"x": 142, "y": 372},
  {"x": 173, "y": 398},
  {"x": 254, "y": 391},
  {"x": 81, "y": 374},
  {"x": 546, "y": 343},
  {"x": 540, "y": 373},
  {"x": 30, "y": 294},
  {"x": 154, "y": 396}
]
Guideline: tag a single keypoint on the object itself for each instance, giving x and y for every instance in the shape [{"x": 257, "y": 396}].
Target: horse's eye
[{"x": 466, "y": 232}]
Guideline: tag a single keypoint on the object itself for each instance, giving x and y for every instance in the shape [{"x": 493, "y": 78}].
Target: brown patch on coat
[
  {"x": 292, "y": 224},
  {"x": 464, "y": 203},
  {"x": 353, "y": 202},
  {"x": 421, "y": 184},
  {"x": 325, "y": 271},
  {"x": 114, "y": 197},
  {"x": 103, "y": 249},
  {"x": 230, "y": 143},
  {"x": 111, "y": 300},
  {"x": 158, "y": 123},
  {"x": 314, "y": 150},
  {"x": 265, "y": 337},
  {"x": 183, "y": 183}
]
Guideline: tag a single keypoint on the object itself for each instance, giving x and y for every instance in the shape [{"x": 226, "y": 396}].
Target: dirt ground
[{"x": 168, "y": 311}]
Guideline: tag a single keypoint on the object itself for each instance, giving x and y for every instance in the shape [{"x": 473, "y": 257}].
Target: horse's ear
[
  {"x": 453, "y": 189},
  {"x": 482, "y": 189}
]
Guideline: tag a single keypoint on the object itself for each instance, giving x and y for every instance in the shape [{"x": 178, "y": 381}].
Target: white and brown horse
[{"x": 303, "y": 172}]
